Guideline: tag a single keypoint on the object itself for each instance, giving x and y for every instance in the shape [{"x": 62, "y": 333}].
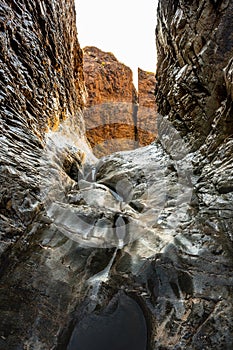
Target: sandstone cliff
[
  {"x": 146, "y": 116},
  {"x": 117, "y": 117},
  {"x": 109, "y": 114}
]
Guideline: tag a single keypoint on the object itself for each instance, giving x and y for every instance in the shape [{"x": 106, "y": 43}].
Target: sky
[{"x": 124, "y": 27}]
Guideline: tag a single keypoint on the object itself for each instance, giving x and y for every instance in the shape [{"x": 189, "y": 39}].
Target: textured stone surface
[
  {"x": 109, "y": 114},
  {"x": 143, "y": 235},
  {"x": 146, "y": 116},
  {"x": 117, "y": 117},
  {"x": 195, "y": 48},
  {"x": 41, "y": 84}
]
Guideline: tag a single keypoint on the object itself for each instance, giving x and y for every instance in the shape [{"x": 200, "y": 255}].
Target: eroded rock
[
  {"x": 146, "y": 115},
  {"x": 41, "y": 85},
  {"x": 172, "y": 271},
  {"x": 117, "y": 117},
  {"x": 111, "y": 103},
  {"x": 193, "y": 51}
]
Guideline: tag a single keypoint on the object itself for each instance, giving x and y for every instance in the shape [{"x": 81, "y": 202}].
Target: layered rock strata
[
  {"x": 41, "y": 85},
  {"x": 195, "y": 59},
  {"x": 112, "y": 98},
  {"x": 146, "y": 115},
  {"x": 117, "y": 117}
]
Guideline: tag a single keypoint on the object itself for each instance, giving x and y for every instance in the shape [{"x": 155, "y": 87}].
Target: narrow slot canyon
[{"x": 116, "y": 202}]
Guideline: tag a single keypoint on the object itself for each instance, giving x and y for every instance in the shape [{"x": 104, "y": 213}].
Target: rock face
[
  {"x": 112, "y": 98},
  {"x": 133, "y": 249},
  {"x": 41, "y": 85},
  {"x": 195, "y": 59},
  {"x": 194, "y": 92},
  {"x": 146, "y": 116},
  {"x": 117, "y": 117}
]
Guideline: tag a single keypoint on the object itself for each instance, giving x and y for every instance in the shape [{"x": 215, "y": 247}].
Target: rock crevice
[
  {"x": 141, "y": 238},
  {"x": 117, "y": 117}
]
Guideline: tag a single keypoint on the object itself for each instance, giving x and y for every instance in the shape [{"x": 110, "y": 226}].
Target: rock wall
[
  {"x": 109, "y": 114},
  {"x": 41, "y": 85},
  {"x": 194, "y": 89},
  {"x": 194, "y": 46},
  {"x": 132, "y": 251},
  {"x": 146, "y": 116},
  {"x": 117, "y": 117},
  {"x": 194, "y": 92}
]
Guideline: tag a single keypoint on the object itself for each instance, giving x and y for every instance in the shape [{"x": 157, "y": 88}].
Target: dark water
[{"x": 122, "y": 329}]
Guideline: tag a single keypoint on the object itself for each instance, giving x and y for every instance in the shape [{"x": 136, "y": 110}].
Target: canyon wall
[
  {"x": 117, "y": 117},
  {"x": 194, "y": 93},
  {"x": 112, "y": 98},
  {"x": 194, "y": 46},
  {"x": 146, "y": 116},
  {"x": 41, "y": 85},
  {"x": 133, "y": 250}
]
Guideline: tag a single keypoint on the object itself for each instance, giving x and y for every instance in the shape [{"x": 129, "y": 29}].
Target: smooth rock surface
[{"x": 174, "y": 267}]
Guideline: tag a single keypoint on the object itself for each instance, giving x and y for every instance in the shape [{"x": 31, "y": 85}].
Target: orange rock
[
  {"x": 111, "y": 99},
  {"x": 146, "y": 116},
  {"x": 113, "y": 120}
]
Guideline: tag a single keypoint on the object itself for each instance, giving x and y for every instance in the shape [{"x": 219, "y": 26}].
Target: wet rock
[{"x": 124, "y": 202}]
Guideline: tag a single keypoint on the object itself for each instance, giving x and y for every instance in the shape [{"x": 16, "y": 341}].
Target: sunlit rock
[
  {"x": 111, "y": 103},
  {"x": 147, "y": 109}
]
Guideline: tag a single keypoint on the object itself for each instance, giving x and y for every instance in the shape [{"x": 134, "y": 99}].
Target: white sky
[{"x": 124, "y": 27}]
